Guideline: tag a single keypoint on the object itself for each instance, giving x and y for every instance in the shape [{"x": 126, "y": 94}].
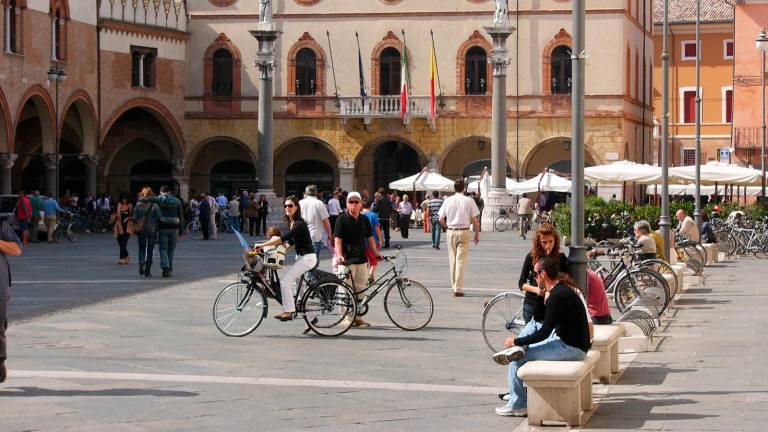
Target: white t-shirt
[
  {"x": 313, "y": 212},
  {"x": 334, "y": 207},
  {"x": 458, "y": 211}
]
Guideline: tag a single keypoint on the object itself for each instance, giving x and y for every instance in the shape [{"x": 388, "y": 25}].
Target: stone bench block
[
  {"x": 606, "y": 341},
  {"x": 679, "y": 270},
  {"x": 713, "y": 252},
  {"x": 633, "y": 340},
  {"x": 558, "y": 391}
]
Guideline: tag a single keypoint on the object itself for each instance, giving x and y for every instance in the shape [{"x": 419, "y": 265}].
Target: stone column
[
  {"x": 51, "y": 161},
  {"x": 498, "y": 197},
  {"x": 181, "y": 179},
  {"x": 347, "y": 175},
  {"x": 6, "y": 163},
  {"x": 92, "y": 166},
  {"x": 265, "y": 60}
]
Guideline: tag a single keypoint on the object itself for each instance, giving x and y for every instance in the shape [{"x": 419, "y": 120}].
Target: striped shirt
[{"x": 434, "y": 206}]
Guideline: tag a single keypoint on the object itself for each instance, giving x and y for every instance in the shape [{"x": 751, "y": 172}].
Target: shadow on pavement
[
  {"x": 625, "y": 412},
  {"x": 43, "y": 392}
]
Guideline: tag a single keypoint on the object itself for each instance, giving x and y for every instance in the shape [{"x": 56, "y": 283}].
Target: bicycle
[
  {"x": 66, "y": 228},
  {"x": 504, "y": 221},
  {"x": 193, "y": 228},
  {"x": 409, "y": 299},
  {"x": 525, "y": 224},
  {"x": 327, "y": 305},
  {"x": 502, "y": 318}
]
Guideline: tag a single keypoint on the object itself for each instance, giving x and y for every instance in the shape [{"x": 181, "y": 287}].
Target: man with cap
[{"x": 352, "y": 234}]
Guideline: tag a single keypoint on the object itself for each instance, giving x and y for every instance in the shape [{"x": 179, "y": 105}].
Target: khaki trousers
[
  {"x": 458, "y": 252},
  {"x": 50, "y": 224},
  {"x": 359, "y": 275}
]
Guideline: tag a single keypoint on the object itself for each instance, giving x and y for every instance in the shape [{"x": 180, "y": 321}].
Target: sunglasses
[
  {"x": 288, "y": 206},
  {"x": 353, "y": 202}
]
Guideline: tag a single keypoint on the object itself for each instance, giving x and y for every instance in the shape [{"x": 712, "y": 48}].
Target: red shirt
[
  {"x": 25, "y": 208},
  {"x": 597, "y": 299}
]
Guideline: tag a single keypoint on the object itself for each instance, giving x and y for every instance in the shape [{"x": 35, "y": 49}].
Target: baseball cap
[{"x": 354, "y": 195}]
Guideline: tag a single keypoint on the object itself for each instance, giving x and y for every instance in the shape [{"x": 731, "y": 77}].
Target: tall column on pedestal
[
  {"x": 181, "y": 180},
  {"x": 347, "y": 175},
  {"x": 6, "y": 163},
  {"x": 265, "y": 60},
  {"x": 51, "y": 161},
  {"x": 498, "y": 197},
  {"x": 92, "y": 168}
]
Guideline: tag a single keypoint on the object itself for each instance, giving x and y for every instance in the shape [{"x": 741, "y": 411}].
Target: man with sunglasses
[
  {"x": 563, "y": 335},
  {"x": 352, "y": 234}
]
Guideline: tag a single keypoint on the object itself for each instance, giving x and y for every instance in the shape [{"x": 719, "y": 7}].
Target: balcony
[{"x": 383, "y": 107}]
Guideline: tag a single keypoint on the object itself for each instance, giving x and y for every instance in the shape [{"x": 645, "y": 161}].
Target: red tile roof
[{"x": 684, "y": 11}]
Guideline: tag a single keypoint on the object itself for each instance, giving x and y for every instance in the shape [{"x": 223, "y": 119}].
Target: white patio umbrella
[
  {"x": 623, "y": 171},
  {"x": 685, "y": 189},
  {"x": 545, "y": 182},
  {"x": 718, "y": 172},
  {"x": 472, "y": 186},
  {"x": 423, "y": 181}
]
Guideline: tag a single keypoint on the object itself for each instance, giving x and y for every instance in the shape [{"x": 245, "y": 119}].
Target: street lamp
[
  {"x": 762, "y": 45},
  {"x": 56, "y": 74}
]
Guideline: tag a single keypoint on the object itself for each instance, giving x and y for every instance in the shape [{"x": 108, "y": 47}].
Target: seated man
[{"x": 564, "y": 335}]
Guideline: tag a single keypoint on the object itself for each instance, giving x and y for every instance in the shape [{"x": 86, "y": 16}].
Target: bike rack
[{"x": 641, "y": 318}]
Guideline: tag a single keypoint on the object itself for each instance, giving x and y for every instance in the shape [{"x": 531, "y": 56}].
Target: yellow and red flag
[{"x": 432, "y": 78}]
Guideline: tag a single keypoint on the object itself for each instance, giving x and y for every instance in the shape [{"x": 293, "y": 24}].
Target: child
[{"x": 272, "y": 232}]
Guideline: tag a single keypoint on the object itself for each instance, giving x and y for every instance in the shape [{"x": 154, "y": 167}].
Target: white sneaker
[
  {"x": 508, "y": 355},
  {"x": 507, "y": 411}
]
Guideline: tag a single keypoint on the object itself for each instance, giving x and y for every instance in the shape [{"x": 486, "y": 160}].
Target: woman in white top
[
  {"x": 644, "y": 240},
  {"x": 404, "y": 210}
]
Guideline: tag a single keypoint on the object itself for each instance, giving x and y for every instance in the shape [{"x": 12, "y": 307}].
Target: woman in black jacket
[{"x": 546, "y": 243}]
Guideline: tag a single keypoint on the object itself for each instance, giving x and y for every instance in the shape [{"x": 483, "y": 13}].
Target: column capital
[
  {"x": 90, "y": 160},
  {"x": 179, "y": 163},
  {"x": 7, "y": 160},
  {"x": 51, "y": 160},
  {"x": 346, "y": 164}
]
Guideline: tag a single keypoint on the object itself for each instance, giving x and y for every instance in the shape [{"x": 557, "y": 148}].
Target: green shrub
[
  {"x": 561, "y": 216},
  {"x": 648, "y": 212}
]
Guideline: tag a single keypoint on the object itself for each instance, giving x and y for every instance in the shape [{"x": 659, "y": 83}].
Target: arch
[
  {"x": 215, "y": 151},
  {"x": 306, "y": 41},
  {"x": 561, "y": 38},
  {"x": 5, "y": 125},
  {"x": 304, "y": 172},
  {"x": 390, "y": 40},
  {"x": 232, "y": 104},
  {"x": 552, "y": 151},
  {"x": 196, "y": 151},
  {"x": 82, "y": 103},
  {"x": 368, "y": 158},
  {"x": 162, "y": 114},
  {"x": 299, "y": 149},
  {"x": 476, "y": 39},
  {"x": 41, "y": 100},
  {"x": 464, "y": 151}
]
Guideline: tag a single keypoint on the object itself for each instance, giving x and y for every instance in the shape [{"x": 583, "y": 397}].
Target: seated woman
[
  {"x": 564, "y": 335},
  {"x": 546, "y": 243},
  {"x": 644, "y": 240},
  {"x": 298, "y": 236}
]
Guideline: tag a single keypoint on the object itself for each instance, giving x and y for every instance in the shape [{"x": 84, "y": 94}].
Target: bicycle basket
[{"x": 274, "y": 258}]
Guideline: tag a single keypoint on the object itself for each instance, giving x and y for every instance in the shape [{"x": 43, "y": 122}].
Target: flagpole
[
  {"x": 405, "y": 49},
  {"x": 333, "y": 70},
  {"x": 437, "y": 70},
  {"x": 360, "y": 66},
  {"x": 404, "y": 92}
]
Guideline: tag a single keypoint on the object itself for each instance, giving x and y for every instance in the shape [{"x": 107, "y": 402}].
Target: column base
[
  {"x": 497, "y": 199},
  {"x": 275, "y": 216}
]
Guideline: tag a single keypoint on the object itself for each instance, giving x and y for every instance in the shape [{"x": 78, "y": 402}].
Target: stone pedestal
[
  {"x": 497, "y": 199},
  {"x": 6, "y": 164},
  {"x": 183, "y": 182},
  {"x": 347, "y": 175}
]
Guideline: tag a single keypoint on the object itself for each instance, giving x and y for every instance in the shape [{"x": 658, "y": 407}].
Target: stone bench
[
  {"x": 679, "y": 270},
  {"x": 606, "y": 342},
  {"x": 713, "y": 250},
  {"x": 559, "y": 391}
]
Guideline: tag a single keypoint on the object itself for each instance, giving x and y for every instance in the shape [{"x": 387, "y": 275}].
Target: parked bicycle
[
  {"x": 67, "y": 228},
  {"x": 504, "y": 221}
]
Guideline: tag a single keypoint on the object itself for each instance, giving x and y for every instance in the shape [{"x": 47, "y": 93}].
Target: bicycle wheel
[
  {"x": 501, "y": 224},
  {"x": 193, "y": 230},
  {"x": 408, "y": 305},
  {"x": 502, "y": 317},
  {"x": 239, "y": 309},
  {"x": 694, "y": 260},
  {"x": 662, "y": 267},
  {"x": 641, "y": 284},
  {"x": 59, "y": 234},
  {"x": 73, "y": 231},
  {"x": 329, "y": 308}
]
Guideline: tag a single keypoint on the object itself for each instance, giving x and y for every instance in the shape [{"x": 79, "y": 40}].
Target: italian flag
[
  {"x": 404, "y": 84},
  {"x": 432, "y": 78}
]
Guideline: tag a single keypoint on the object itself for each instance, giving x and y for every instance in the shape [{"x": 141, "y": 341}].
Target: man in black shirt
[
  {"x": 352, "y": 234},
  {"x": 563, "y": 335}
]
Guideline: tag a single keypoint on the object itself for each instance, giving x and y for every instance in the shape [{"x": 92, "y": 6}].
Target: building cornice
[{"x": 143, "y": 30}]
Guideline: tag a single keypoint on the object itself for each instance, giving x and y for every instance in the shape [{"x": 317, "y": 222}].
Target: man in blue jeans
[
  {"x": 171, "y": 227},
  {"x": 564, "y": 335},
  {"x": 315, "y": 214}
]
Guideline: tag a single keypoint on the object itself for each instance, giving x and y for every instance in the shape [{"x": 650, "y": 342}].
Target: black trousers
[
  {"x": 384, "y": 230},
  {"x": 261, "y": 222},
  {"x": 404, "y": 222},
  {"x": 251, "y": 224},
  {"x": 205, "y": 225},
  {"x": 122, "y": 241},
  {"x": 3, "y": 326}
]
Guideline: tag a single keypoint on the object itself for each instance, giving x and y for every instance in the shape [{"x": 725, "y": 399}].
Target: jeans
[
  {"x": 234, "y": 223},
  {"x": 147, "y": 247},
  {"x": 318, "y": 246},
  {"x": 436, "y": 231},
  {"x": 3, "y": 327},
  {"x": 167, "y": 246},
  {"x": 527, "y": 312},
  {"x": 551, "y": 348}
]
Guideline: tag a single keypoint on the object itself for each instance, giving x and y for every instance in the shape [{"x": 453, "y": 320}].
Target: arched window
[
  {"x": 149, "y": 70},
  {"x": 389, "y": 72},
  {"x": 222, "y": 73},
  {"x": 11, "y": 31},
  {"x": 561, "y": 70},
  {"x": 306, "y": 72},
  {"x": 58, "y": 35},
  {"x": 476, "y": 71},
  {"x": 135, "y": 69}
]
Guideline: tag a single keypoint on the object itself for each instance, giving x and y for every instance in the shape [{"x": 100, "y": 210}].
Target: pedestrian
[
  {"x": 37, "y": 206},
  {"x": 234, "y": 215},
  {"x": 9, "y": 246},
  {"x": 457, "y": 213},
  {"x": 524, "y": 211},
  {"x": 205, "y": 216},
  {"x": 687, "y": 227},
  {"x": 480, "y": 206},
  {"x": 334, "y": 208},
  {"x": 147, "y": 218},
  {"x": 299, "y": 236},
  {"x": 170, "y": 228},
  {"x": 384, "y": 211},
  {"x": 51, "y": 209},
  {"x": 24, "y": 216},
  {"x": 404, "y": 210},
  {"x": 352, "y": 234},
  {"x": 395, "y": 218},
  {"x": 546, "y": 243},
  {"x": 433, "y": 207},
  {"x": 243, "y": 200},
  {"x": 122, "y": 228},
  {"x": 373, "y": 218},
  {"x": 214, "y": 221},
  {"x": 252, "y": 214},
  {"x": 315, "y": 215},
  {"x": 262, "y": 214}
]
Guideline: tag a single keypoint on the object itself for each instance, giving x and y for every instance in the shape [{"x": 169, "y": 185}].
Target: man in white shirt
[
  {"x": 456, "y": 214},
  {"x": 315, "y": 214},
  {"x": 334, "y": 208},
  {"x": 524, "y": 208},
  {"x": 687, "y": 227}
]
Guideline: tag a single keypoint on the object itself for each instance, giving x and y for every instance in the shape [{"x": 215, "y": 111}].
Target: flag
[
  {"x": 404, "y": 84},
  {"x": 360, "y": 68},
  {"x": 432, "y": 78}
]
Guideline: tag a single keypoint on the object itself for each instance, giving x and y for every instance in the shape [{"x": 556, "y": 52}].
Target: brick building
[{"x": 165, "y": 91}]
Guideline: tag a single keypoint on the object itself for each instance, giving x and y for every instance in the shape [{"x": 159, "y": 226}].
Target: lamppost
[
  {"x": 697, "y": 217},
  {"x": 56, "y": 74},
  {"x": 664, "y": 217},
  {"x": 762, "y": 44}
]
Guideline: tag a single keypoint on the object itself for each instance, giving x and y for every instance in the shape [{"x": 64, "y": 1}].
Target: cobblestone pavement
[{"x": 106, "y": 350}]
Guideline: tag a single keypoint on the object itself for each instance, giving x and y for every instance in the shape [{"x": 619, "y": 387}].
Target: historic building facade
[{"x": 166, "y": 91}]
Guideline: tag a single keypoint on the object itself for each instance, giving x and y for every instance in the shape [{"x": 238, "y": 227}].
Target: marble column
[
  {"x": 6, "y": 164},
  {"x": 347, "y": 175},
  {"x": 92, "y": 168},
  {"x": 51, "y": 161},
  {"x": 181, "y": 179},
  {"x": 265, "y": 61}
]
